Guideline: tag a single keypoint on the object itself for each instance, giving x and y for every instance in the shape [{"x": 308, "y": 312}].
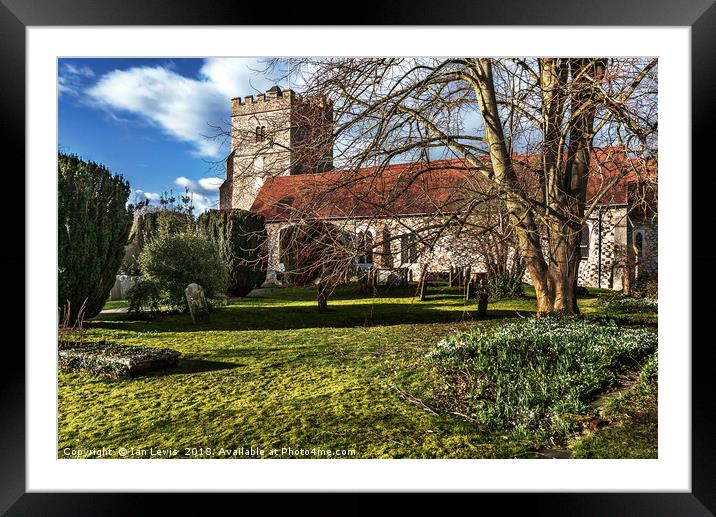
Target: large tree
[
  {"x": 539, "y": 131},
  {"x": 93, "y": 224}
]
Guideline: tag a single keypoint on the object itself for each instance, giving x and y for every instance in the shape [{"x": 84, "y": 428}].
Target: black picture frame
[{"x": 700, "y": 15}]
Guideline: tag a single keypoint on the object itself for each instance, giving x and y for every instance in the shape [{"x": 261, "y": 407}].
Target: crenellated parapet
[{"x": 274, "y": 99}]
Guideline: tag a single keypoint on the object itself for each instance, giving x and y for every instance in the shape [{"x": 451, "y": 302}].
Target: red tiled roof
[{"x": 403, "y": 189}]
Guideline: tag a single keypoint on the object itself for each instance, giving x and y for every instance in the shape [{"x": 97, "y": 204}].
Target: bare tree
[{"x": 529, "y": 134}]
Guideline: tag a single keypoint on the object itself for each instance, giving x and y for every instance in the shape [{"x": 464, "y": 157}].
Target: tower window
[
  {"x": 260, "y": 133},
  {"x": 584, "y": 244}
]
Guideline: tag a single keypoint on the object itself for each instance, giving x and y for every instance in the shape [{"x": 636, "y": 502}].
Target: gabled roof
[
  {"x": 410, "y": 189},
  {"x": 404, "y": 189}
]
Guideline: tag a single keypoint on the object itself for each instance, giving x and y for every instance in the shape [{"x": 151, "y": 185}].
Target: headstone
[
  {"x": 469, "y": 290},
  {"x": 391, "y": 277},
  {"x": 482, "y": 303},
  {"x": 196, "y": 300}
]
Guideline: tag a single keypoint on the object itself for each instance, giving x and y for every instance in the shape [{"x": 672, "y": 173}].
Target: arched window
[
  {"x": 639, "y": 243},
  {"x": 404, "y": 258},
  {"x": 260, "y": 133},
  {"x": 408, "y": 249},
  {"x": 368, "y": 247},
  {"x": 365, "y": 243},
  {"x": 584, "y": 244}
]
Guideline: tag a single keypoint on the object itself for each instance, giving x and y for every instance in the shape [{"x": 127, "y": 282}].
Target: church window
[
  {"x": 639, "y": 243},
  {"x": 408, "y": 249},
  {"x": 365, "y": 241},
  {"x": 584, "y": 244}
]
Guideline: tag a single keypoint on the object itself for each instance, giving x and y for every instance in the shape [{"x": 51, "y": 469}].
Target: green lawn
[
  {"x": 270, "y": 371},
  {"x": 116, "y": 304}
]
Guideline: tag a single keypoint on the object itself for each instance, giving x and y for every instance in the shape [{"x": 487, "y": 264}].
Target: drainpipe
[{"x": 599, "y": 248}]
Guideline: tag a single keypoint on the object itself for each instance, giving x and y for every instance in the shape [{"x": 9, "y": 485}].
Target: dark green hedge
[
  {"x": 93, "y": 224},
  {"x": 240, "y": 237}
]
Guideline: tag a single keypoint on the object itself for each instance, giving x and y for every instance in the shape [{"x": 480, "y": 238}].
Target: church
[{"x": 281, "y": 167}]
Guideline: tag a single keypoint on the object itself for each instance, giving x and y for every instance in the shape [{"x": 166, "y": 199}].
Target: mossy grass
[{"x": 272, "y": 371}]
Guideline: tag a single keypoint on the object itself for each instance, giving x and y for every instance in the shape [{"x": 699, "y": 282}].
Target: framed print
[{"x": 434, "y": 273}]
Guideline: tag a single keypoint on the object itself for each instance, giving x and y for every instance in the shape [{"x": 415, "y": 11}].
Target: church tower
[{"x": 278, "y": 133}]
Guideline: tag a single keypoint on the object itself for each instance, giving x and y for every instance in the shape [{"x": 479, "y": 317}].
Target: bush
[
  {"x": 147, "y": 224},
  {"x": 540, "y": 373},
  {"x": 145, "y": 297},
  {"x": 93, "y": 224},
  {"x": 646, "y": 286},
  {"x": 175, "y": 260},
  {"x": 619, "y": 304},
  {"x": 239, "y": 236},
  {"x": 650, "y": 372},
  {"x": 504, "y": 287}
]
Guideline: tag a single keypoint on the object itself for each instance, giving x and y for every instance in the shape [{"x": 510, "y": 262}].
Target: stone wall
[
  {"x": 648, "y": 261},
  {"x": 461, "y": 249},
  {"x": 609, "y": 271}
]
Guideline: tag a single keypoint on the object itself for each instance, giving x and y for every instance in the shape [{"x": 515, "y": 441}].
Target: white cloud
[
  {"x": 203, "y": 203},
  {"x": 137, "y": 196},
  {"x": 184, "y": 108},
  {"x": 71, "y": 78},
  {"x": 210, "y": 184},
  {"x": 204, "y": 186},
  {"x": 204, "y": 191},
  {"x": 201, "y": 200},
  {"x": 78, "y": 70},
  {"x": 183, "y": 182}
]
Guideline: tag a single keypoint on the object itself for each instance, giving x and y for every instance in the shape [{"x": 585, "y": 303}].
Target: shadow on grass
[
  {"x": 282, "y": 317},
  {"x": 187, "y": 366}
]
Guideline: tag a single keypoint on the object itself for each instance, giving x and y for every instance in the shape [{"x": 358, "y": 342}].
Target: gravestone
[
  {"x": 392, "y": 277},
  {"x": 482, "y": 300},
  {"x": 482, "y": 304},
  {"x": 198, "y": 308}
]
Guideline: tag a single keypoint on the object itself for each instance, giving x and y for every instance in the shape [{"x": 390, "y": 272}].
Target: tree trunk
[
  {"x": 468, "y": 284},
  {"x": 322, "y": 295},
  {"x": 629, "y": 270},
  {"x": 538, "y": 275},
  {"x": 423, "y": 283}
]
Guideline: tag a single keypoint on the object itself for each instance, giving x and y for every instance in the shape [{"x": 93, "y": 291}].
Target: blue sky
[{"x": 148, "y": 119}]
